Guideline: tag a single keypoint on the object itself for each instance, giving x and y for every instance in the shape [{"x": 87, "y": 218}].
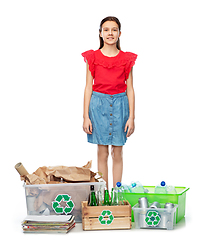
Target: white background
[{"x": 42, "y": 76}]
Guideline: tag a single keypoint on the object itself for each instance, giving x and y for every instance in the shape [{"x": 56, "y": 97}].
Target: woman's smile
[{"x": 110, "y": 32}]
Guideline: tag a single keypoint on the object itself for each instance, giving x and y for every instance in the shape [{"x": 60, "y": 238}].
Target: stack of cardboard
[{"x": 48, "y": 224}]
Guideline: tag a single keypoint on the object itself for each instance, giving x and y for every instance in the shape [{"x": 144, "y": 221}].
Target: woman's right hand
[{"x": 87, "y": 125}]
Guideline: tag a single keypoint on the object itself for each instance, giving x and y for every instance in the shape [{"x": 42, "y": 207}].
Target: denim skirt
[{"x": 108, "y": 114}]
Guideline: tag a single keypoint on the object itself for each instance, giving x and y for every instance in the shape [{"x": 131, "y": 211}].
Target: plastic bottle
[
  {"x": 136, "y": 187},
  {"x": 106, "y": 198},
  {"x": 120, "y": 193},
  {"x": 117, "y": 195},
  {"x": 125, "y": 189},
  {"x": 93, "y": 201},
  {"x": 162, "y": 188},
  {"x": 171, "y": 190}
]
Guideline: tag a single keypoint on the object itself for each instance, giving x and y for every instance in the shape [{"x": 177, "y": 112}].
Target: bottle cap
[
  {"x": 133, "y": 184},
  {"x": 92, "y": 187},
  {"x": 118, "y": 184},
  {"x": 163, "y": 183}
]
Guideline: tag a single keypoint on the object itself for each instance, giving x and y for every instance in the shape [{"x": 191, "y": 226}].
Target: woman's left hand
[{"x": 130, "y": 125}]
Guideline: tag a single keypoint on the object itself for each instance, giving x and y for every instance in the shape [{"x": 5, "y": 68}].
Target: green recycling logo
[
  {"x": 106, "y": 217},
  {"x": 69, "y": 205},
  {"x": 153, "y": 218}
]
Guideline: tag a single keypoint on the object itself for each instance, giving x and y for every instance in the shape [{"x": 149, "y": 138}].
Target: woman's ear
[{"x": 119, "y": 34}]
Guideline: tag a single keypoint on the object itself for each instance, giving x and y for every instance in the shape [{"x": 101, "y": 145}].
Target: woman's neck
[{"x": 109, "y": 50}]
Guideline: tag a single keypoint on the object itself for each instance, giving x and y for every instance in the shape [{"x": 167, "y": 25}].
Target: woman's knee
[
  {"x": 103, "y": 152},
  {"x": 117, "y": 153}
]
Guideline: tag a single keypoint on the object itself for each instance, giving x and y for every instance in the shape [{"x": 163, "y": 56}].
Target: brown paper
[
  {"x": 59, "y": 174},
  {"x": 50, "y": 175},
  {"x": 53, "y": 175},
  {"x": 88, "y": 165},
  {"x": 34, "y": 179},
  {"x": 69, "y": 174}
]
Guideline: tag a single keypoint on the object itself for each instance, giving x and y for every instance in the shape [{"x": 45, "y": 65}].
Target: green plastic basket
[{"x": 179, "y": 199}]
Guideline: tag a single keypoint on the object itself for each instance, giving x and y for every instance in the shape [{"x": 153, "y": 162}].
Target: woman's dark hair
[{"x": 114, "y": 19}]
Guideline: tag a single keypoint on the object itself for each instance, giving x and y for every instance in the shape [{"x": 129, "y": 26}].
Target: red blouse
[{"x": 109, "y": 73}]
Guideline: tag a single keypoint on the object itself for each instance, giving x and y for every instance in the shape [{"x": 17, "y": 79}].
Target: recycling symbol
[
  {"x": 103, "y": 217},
  {"x": 58, "y": 208},
  {"x": 152, "y": 218}
]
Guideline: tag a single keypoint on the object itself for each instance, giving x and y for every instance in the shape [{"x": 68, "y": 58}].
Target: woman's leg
[
  {"x": 117, "y": 169},
  {"x": 102, "y": 156}
]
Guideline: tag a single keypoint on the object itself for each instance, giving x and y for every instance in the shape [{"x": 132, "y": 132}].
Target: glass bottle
[
  {"x": 106, "y": 198},
  {"x": 93, "y": 201}
]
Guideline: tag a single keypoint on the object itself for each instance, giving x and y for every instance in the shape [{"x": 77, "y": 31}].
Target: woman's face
[{"x": 110, "y": 32}]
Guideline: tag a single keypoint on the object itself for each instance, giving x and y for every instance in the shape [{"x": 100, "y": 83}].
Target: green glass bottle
[
  {"x": 106, "y": 198},
  {"x": 111, "y": 196},
  {"x": 93, "y": 201}
]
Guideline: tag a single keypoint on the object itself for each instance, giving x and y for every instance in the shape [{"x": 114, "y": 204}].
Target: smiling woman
[
  {"x": 109, "y": 99},
  {"x": 109, "y": 26},
  {"x": 110, "y": 33}
]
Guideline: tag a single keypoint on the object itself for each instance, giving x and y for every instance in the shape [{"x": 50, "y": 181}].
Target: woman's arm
[
  {"x": 87, "y": 125},
  {"x": 130, "y": 124}
]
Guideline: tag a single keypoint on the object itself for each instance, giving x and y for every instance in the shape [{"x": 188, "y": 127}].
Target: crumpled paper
[
  {"x": 61, "y": 174},
  {"x": 40, "y": 198}
]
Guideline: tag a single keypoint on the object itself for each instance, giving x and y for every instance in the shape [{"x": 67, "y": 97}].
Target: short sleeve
[
  {"x": 130, "y": 62},
  {"x": 89, "y": 56}
]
